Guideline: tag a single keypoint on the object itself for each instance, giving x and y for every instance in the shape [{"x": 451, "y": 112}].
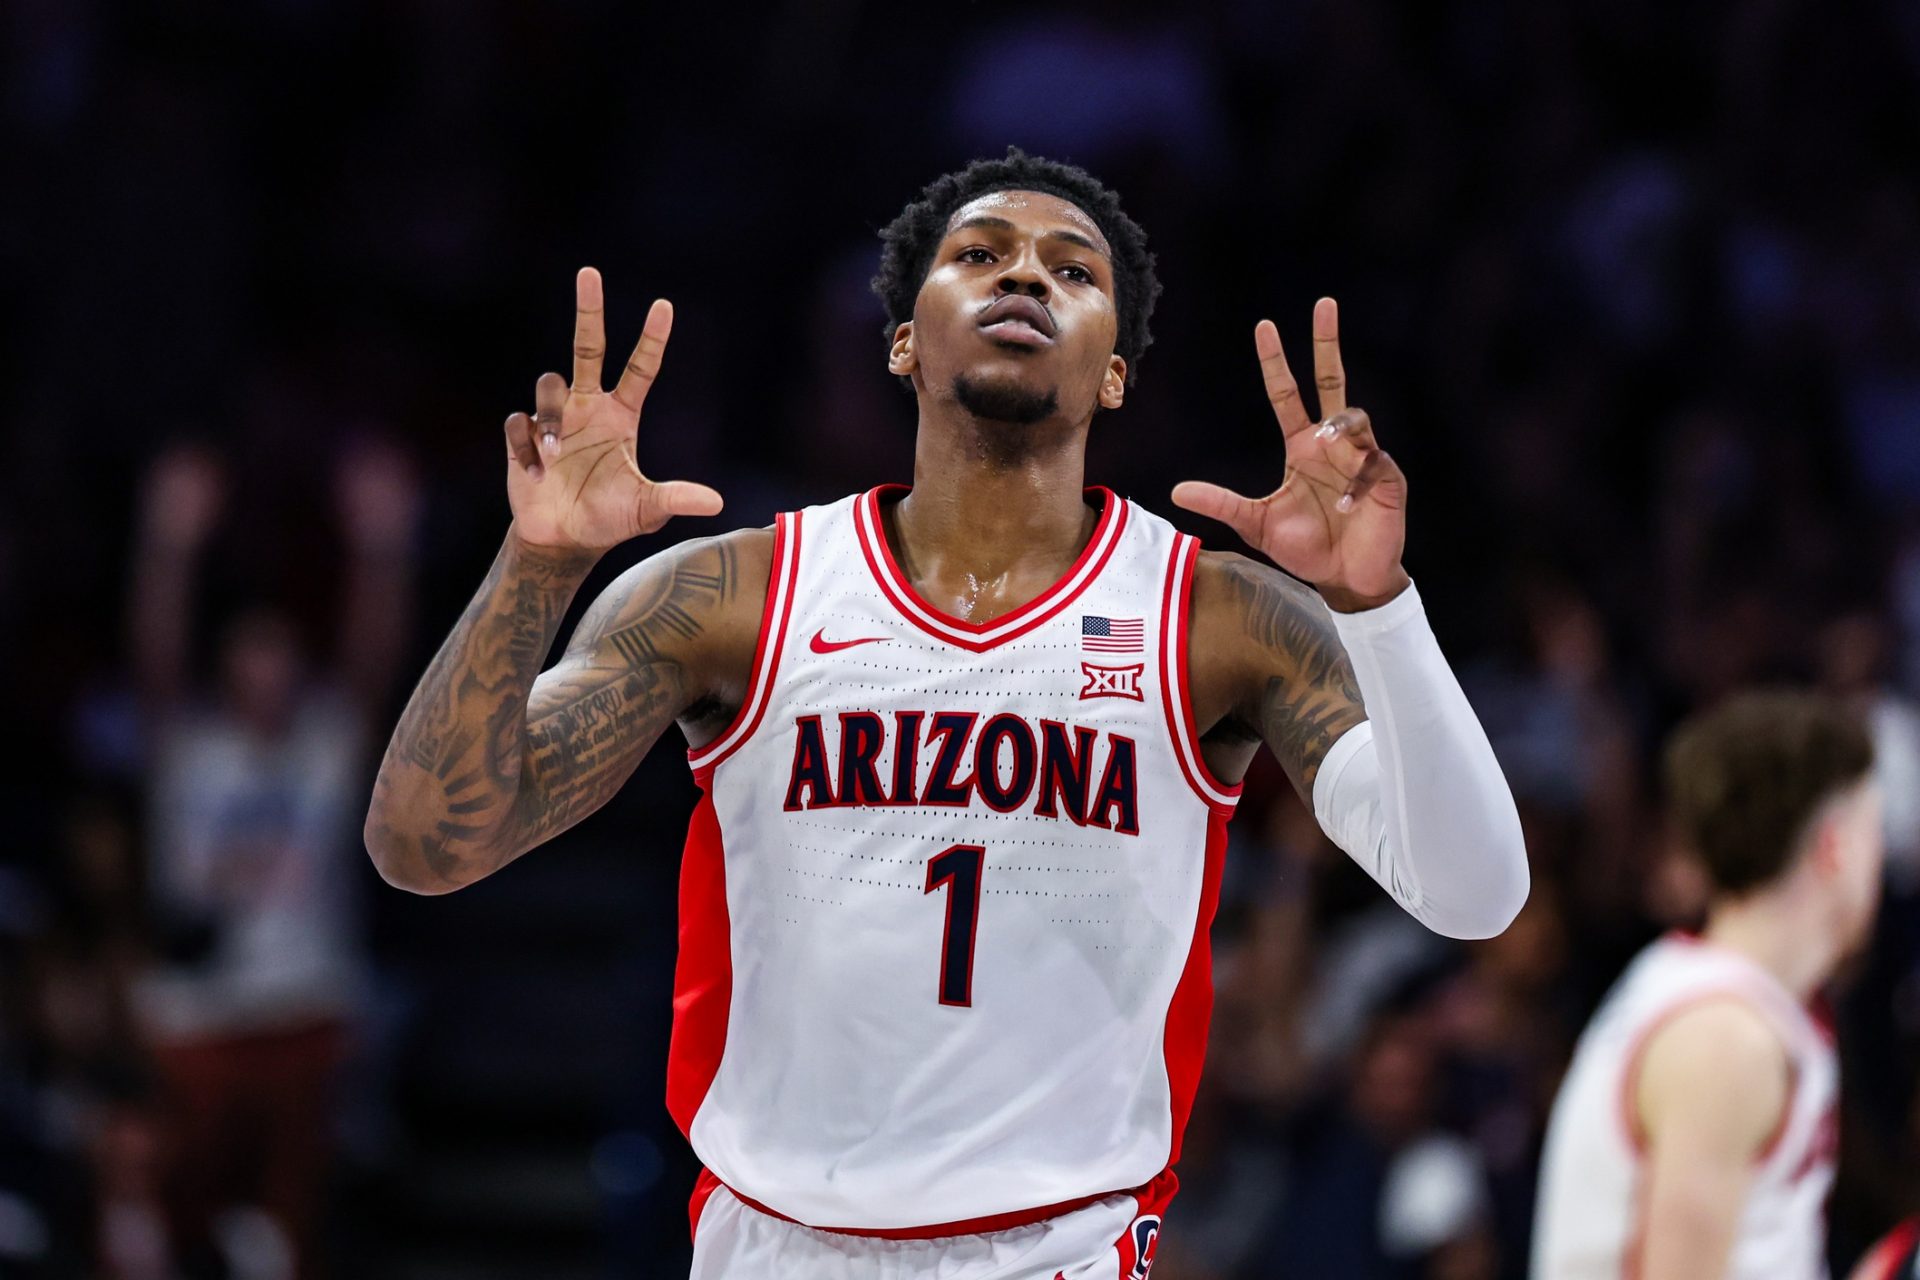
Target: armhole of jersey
[
  {"x": 774, "y": 615},
  {"x": 1175, "y": 606},
  {"x": 1628, "y": 1112}
]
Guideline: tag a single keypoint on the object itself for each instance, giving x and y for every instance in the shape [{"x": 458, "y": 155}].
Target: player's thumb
[
  {"x": 683, "y": 498},
  {"x": 1229, "y": 508}
]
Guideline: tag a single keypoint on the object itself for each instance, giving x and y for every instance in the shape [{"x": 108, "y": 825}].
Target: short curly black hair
[{"x": 910, "y": 239}]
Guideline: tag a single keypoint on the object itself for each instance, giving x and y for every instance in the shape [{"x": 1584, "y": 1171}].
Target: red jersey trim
[
  {"x": 774, "y": 615},
  {"x": 1175, "y": 606},
  {"x": 1184, "y": 1039},
  {"x": 1628, "y": 1112},
  {"x": 707, "y": 1184},
  {"x": 702, "y": 970},
  {"x": 978, "y": 637}
]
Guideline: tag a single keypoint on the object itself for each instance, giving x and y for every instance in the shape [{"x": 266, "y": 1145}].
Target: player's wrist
[
  {"x": 1343, "y": 599},
  {"x": 549, "y": 559}
]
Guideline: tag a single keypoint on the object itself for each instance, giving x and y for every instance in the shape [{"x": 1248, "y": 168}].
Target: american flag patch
[{"x": 1112, "y": 635}]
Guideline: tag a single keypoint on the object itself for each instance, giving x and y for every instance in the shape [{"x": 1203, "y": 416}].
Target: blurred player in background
[
  {"x": 968, "y": 752},
  {"x": 1695, "y": 1134}
]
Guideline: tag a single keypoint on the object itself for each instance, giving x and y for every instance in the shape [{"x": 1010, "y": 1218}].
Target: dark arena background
[{"x": 1631, "y": 291}]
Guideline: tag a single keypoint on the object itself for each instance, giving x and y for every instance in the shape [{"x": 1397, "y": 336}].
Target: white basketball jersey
[
  {"x": 945, "y": 898},
  {"x": 1589, "y": 1224}
]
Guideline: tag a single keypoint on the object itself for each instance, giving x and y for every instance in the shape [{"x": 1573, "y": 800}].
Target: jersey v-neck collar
[{"x": 981, "y": 636}]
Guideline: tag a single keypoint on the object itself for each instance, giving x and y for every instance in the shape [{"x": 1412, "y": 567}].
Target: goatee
[{"x": 1001, "y": 401}]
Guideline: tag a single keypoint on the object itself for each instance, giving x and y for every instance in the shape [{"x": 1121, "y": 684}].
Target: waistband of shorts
[{"x": 707, "y": 1184}]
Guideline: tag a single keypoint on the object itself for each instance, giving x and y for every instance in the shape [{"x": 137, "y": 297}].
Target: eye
[
  {"x": 1081, "y": 274},
  {"x": 985, "y": 254}
]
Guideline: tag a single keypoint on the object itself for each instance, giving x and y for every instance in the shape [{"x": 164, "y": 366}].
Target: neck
[
  {"x": 994, "y": 508},
  {"x": 1778, "y": 932}
]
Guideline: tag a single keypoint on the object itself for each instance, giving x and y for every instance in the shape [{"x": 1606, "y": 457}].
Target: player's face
[{"x": 1016, "y": 318}]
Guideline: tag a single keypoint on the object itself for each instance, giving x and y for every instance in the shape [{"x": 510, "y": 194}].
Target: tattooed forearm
[
  {"x": 1313, "y": 697},
  {"x": 453, "y": 762},
  {"x": 582, "y": 750},
  {"x": 492, "y": 757}
]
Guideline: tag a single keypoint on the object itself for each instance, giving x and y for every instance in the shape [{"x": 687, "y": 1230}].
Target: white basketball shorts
[{"x": 1110, "y": 1239}]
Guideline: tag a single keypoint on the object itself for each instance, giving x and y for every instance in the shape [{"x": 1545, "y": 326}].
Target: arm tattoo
[
  {"x": 624, "y": 680},
  {"x": 1311, "y": 697},
  {"x": 491, "y": 757}
]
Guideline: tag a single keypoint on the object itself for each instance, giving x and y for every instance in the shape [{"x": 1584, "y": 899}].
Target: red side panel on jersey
[
  {"x": 1192, "y": 1006},
  {"x": 703, "y": 971}
]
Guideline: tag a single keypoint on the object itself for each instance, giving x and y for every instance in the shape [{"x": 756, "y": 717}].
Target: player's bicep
[
  {"x": 1297, "y": 688},
  {"x": 1703, "y": 1138},
  {"x": 636, "y": 662}
]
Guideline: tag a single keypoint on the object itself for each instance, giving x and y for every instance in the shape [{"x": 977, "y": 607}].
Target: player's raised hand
[
  {"x": 573, "y": 476},
  {"x": 1338, "y": 519}
]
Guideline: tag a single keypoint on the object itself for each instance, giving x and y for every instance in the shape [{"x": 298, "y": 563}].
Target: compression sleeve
[{"x": 1413, "y": 793}]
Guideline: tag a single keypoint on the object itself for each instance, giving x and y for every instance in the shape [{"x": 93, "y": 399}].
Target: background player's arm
[
  {"x": 491, "y": 757},
  {"x": 1703, "y": 1137},
  {"x": 1359, "y": 706}
]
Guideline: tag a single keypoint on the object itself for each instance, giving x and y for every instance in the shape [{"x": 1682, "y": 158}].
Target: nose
[{"x": 1023, "y": 273}]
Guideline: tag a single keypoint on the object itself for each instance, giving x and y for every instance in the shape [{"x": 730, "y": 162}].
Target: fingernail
[
  {"x": 1345, "y": 504},
  {"x": 1327, "y": 431}
]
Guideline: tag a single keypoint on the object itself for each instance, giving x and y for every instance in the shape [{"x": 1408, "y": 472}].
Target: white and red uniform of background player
[
  {"x": 944, "y": 978},
  {"x": 1895, "y": 1257},
  {"x": 1592, "y": 1171}
]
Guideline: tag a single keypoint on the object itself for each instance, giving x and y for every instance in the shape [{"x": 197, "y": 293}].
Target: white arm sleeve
[{"x": 1413, "y": 793}]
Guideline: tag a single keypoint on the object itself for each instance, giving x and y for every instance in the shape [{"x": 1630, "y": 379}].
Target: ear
[
  {"x": 901, "y": 360},
  {"x": 1113, "y": 387}
]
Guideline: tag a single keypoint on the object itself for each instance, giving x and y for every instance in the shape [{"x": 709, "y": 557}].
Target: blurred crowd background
[{"x": 1631, "y": 289}]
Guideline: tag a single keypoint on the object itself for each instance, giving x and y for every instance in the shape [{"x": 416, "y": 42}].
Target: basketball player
[
  {"x": 1694, "y": 1135},
  {"x": 967, "y": 749}
]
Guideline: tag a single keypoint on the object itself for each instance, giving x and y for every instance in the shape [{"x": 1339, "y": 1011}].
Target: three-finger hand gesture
[
  {"x": 573, "y": 477},
  {"x": 1339, "y": 518}
]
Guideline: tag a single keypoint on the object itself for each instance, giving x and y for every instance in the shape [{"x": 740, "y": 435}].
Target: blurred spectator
[{"x": 256, "y": 801}]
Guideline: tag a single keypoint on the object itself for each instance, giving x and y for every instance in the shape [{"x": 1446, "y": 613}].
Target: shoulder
[
  {"x": 1688, "y": 1057},
  {"x": 697, "y": 600},
  {"x": 1249, "y": 615},
  {"x": 729, "y": 566},
  {"x": 1233, "y": 588}
]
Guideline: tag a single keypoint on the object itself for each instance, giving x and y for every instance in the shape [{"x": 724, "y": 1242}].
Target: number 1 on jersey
[{"x": 958, "y": 869}]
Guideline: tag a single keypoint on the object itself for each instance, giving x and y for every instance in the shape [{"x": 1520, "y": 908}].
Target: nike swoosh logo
[{"x": 820, "y": 643}]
